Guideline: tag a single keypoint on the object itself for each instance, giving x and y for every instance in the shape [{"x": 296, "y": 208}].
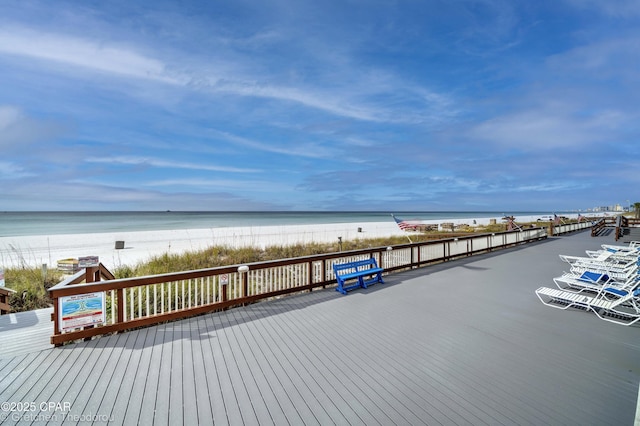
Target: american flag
[
  {"x": 402, "y": 224},
  {"x": 580, "y": 217},
  {"x": 556, "y": 219}
]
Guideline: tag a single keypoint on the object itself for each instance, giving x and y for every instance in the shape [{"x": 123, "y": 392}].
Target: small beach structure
[{"x": 69, "y": 265}]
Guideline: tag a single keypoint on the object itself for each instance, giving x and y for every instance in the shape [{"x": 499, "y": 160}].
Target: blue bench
[{"x": 357, "y": 270}]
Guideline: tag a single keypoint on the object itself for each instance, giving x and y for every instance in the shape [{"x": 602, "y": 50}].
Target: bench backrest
[{"x": 358, "y": 265}]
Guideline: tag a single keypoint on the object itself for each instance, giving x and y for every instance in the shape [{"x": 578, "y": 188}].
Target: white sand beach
[{"x": 37, "y": 250}]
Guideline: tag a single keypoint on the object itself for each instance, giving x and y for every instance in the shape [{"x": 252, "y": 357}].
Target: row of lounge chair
[{"x": 605, "y": 282}]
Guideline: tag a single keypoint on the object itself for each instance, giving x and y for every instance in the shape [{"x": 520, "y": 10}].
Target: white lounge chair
[
  {"x": 606, "y": 258},
  {"x": 633, "y": 245},
  {"x": 587, "y": 280},
  {"x": 591, "y": 281},
  {"x": 615, "y": 267},
  {"x": 613, "y": 272},
  {"x": 614, "y": 305}
]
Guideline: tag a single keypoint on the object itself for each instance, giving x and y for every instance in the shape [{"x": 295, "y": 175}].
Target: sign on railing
[{"x": 81, "y": 310}]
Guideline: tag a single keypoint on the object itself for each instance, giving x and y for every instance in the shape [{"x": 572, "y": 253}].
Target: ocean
[{"x": 55, "y": 223}]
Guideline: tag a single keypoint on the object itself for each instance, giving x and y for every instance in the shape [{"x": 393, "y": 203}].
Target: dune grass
[{"x": 30, "y": 286}]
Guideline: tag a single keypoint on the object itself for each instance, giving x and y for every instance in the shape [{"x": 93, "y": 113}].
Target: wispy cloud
[
  {"x": 161, "y": 163},
  {"x": 11, "y": 171},
  {"x": 83, "y": 53},
  {"x": 360, "y": 99},
  {"x": 247, "y": 186},
  {"x": 303, "y": 149}
]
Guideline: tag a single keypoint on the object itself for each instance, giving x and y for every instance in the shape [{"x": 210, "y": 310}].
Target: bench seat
[{"x": 358, "y": 270}]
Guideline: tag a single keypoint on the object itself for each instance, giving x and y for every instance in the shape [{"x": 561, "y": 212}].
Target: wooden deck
[{"x": 466, "y": 342}]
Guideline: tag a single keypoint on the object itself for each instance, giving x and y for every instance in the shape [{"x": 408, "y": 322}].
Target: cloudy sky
[{"x": 319, "y": 105}]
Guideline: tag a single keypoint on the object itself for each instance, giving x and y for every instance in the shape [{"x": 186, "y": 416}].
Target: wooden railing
[
  {"x": 144, "y": 301},
  {"x": 597, "y": 227},
  {"x": 565, "y": 228},
  {"x": 621, "y": 223},
  {"x": 601, "y": 224}
]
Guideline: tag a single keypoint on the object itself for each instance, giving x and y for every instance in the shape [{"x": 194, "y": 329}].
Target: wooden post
[
  {"x": 120, "y": 308},
  {"x": 54, "y": 318},
  {"x": 323, "y": 275},
  {"x": 245, "y": 284},
  {"x": 225, "y": 293},
  {"x": 244, "y": 279}
]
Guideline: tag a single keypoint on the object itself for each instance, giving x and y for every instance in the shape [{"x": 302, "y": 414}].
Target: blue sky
[{"x": 307, "y": 105}]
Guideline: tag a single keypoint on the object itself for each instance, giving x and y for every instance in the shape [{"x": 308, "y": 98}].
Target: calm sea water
[{"x": 53, "y": 223}]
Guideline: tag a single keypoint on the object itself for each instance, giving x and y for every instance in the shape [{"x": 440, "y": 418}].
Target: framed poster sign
[{"x": 81, "y": 310}]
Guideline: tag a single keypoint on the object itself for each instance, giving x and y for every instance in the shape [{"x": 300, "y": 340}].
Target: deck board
[
  {"x": 142, "y": 375},
  {"x": 106, "y": 379},
  {"x": 464, "y": 342},
  {"x": 214, "y": 389},
  {"x": 392, "y": 387},
  {"x": 204, "y": 414},
  {"x": 253, "y": 362},
  {"x": 345, "y": 366},
  {"x": 176, "y": 382},
  {"x": 234, "y": 393},
  {"x": 125, "y": 392},
  {"x": 245, "y": 374},
  {"x": 291, "y": 407},
  {"x": 325, "y": 409},
  {"x": 156, "y": 391},
  {"x": 288, "y": 387}
]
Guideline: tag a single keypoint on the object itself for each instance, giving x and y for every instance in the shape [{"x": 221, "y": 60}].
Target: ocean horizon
[{"x": 16, "y": 223}]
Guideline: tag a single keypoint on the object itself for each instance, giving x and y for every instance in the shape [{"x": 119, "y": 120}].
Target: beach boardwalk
[{"x": 462, "y": 342}]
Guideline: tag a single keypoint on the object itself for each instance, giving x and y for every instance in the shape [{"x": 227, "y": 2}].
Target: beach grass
[{"x": 30, "y": 286}]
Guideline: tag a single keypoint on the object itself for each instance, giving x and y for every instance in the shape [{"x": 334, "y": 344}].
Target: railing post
[
  {"x": 55, "y": 319},
  {"x": 92, "y": 274},
  {"x": 120, "y": 305},
  {"x": 244, "y": 279},
  {"x": 323, "y": 276}
]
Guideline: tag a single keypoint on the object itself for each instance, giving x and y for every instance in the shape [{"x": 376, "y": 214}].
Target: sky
[{"x": 382, "y": 105}]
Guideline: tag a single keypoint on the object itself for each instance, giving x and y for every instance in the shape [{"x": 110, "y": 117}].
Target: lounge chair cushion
[{"x": 593, "y": 277}]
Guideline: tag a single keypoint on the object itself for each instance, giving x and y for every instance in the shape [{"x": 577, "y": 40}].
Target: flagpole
[{"x": 407, "y": 235}]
